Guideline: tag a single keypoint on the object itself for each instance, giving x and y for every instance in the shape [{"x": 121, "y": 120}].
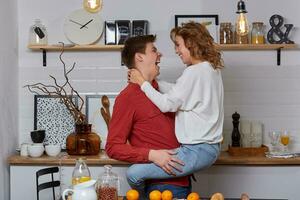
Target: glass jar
[
  {"x": 81, "y": 172},
  {"x": 107, "y": 184},
  {"x": 38, "y": 34},
  {"x": 83, "y": 141},
  {"x": 241, "y": 39},
  {"x": 226, "y": 34},
  {"x": 257, "y": 33}
]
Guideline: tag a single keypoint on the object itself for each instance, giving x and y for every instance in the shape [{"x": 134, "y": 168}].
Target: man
[{"x": 137, "y": 120}]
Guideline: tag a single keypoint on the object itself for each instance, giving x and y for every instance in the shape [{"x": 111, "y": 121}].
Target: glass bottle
[
  {"x": 226, "y": 34},
  {"x": 257, "y": 34},
  {"x": 38, "y": 34},
  {"x": 107, "y": 184},
  {"x": 81, "y": 172},
  {"x": 83, "y": 141}
]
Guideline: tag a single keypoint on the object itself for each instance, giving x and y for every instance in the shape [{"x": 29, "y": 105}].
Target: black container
[{"x": 37, "y": 136}]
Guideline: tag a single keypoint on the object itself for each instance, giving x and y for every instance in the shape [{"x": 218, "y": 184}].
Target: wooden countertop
[{"x": 102, "y": 159}]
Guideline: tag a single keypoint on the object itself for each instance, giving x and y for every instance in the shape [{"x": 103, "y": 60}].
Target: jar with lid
[
  {"x": 226, "y": 34},
  {"x": 257, "y": 33},
  {"x": 38, "y": 34},
  {"x": 107, "y": 184},
  {"x": 81, "y": 172}
]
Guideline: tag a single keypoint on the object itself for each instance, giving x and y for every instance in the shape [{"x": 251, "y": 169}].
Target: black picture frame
[
  {"x": 198, "y": 18},
  {"x": 211, "y": 22},
  {"x": 51, "y": 115}
]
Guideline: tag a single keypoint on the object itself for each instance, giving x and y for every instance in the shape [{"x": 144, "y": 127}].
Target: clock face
[{"x": 82, "y": 27}]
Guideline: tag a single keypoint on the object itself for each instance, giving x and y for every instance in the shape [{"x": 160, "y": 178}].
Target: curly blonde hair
[{"x": 199, "y": 42}]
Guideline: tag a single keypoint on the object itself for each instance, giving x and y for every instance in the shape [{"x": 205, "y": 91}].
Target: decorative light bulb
[
  {"x": 92, "y": 5},
  {"x": 242, "y": 26}
]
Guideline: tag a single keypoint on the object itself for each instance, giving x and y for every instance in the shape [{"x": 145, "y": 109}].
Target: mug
[{"x": 24, "y": 149}]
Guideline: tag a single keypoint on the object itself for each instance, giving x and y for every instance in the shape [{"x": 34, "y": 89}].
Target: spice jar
[
  {"x": 226, "y": 34},
  {"x": 257, "y": 34},
  {"x": 38, "y": 34},
  {"x": 107, "y": 185}
]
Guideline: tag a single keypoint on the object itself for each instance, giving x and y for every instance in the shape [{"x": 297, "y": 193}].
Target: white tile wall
[
  {"x": 254, "y": 85},
  {"x": 8, "y": 91}
]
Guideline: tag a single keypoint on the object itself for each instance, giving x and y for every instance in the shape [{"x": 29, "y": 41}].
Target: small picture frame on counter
[
  {"x": 139, "y": 27},
  {"x": 110, "y": 32},
  {"x": 122, "y": 31}
]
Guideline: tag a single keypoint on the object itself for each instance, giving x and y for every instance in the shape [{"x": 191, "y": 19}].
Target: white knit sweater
[{"x": 197, "y": 98}]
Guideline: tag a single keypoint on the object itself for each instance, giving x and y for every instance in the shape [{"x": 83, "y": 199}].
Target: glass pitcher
[
  {"x": 38, "y": 34},
  {"x": 107, "y": 184},
  {"x": 81, "y": 172}
]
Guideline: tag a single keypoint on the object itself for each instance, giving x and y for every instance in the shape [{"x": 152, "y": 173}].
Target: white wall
[
  {"x": 8, "y": 90},
  {"x": 254, "y": 85}
]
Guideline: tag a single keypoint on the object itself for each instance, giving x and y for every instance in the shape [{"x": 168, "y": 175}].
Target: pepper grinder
[{"x": 235, "y": 136}]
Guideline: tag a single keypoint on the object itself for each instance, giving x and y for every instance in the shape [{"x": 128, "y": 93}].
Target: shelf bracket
[
  {"x": 44, "y": 57},
  {"x": 279, "y": 56}
]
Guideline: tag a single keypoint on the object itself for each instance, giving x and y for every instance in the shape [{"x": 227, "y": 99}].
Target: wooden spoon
[{"x": 106, "y": 104}]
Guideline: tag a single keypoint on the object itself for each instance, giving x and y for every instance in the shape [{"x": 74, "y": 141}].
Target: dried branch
[{"x": 64, "y": 91}]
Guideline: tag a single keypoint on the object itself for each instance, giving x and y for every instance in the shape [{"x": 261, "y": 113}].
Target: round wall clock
[{"x": 82, "y": 27}]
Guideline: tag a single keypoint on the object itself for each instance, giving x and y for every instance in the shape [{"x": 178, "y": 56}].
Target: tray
[{"x": 248, "y": 151}]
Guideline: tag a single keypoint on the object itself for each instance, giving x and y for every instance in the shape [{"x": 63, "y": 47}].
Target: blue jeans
[
  {"x": 178, "y": 192},
  {"x": 195, "y": 157}
]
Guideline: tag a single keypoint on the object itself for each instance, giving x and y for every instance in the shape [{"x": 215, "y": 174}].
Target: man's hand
[
  {"x": 134, "y": 76},
  {"x": 166, "y": 160}
]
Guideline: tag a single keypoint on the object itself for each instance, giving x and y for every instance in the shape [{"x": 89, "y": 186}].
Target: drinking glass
[
  {"x": 285, "y": 140},
  {"x": 274, "y": 137}
]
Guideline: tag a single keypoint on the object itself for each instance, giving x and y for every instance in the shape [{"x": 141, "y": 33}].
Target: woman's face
[{"x": 182, "y": 51}]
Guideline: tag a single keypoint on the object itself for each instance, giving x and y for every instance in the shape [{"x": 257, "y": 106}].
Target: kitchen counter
[{"x": 102, "y": 159}]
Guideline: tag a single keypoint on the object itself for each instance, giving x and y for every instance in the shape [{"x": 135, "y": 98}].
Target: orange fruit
[
  {"x": 167, "y": 195},
  {"x": 193, "y": 196},
  {"x": 132, "y": 195},
  {"x": 155, "y": 195},
  {"x": 217, "y": 196}
]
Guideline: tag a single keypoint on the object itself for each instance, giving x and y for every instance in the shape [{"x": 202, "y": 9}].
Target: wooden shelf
[
  {"x": 223, "y": 47},
  {"x": 76, "y": 47},
  {"x": 119, "y": 47},
  {"x": 256, "y": 46}
]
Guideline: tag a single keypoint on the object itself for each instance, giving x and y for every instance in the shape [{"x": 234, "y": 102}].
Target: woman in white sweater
[{"x": 197, "y": 99}]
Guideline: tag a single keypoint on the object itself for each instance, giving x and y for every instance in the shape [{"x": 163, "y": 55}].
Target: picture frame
[
  {"x": 94, "y": 117},
  {"x": 52, "y": 115},
  {"x": 211, "y": 22}
]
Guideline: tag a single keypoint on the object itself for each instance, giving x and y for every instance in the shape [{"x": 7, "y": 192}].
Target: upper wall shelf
[
  {"x": 256, "y": 46},
  {"x": 223, "y": 47},
  {"x": 119, "y": 47},
  {"x": 77, "y": 47}
]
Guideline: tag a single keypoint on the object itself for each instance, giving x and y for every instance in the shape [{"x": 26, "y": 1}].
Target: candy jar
[{"x": 107, "y": 184}]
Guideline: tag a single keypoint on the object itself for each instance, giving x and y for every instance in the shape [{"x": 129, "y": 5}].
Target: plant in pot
[{"x": 83, "y": 141}]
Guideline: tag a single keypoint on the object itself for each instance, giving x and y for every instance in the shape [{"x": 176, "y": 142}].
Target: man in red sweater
[{"x": 138, "y": 131}]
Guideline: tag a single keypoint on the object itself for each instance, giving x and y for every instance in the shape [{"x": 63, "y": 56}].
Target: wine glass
[
  {"x": 274, "y": 137},
  {"x": 285, "y": 140}
]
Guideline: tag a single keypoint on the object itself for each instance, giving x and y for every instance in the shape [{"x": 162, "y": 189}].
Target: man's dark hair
[{"x": 135, "y": 45}]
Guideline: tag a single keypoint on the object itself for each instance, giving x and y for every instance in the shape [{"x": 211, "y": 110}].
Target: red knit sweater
[{"x": 136, "y": 119}]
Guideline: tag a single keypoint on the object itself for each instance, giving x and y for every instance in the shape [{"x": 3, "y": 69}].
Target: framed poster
[
  {"x": 210, "y": 21},
  {"x": 94, "y": 116},
  {"x": 52, "y": 115}
]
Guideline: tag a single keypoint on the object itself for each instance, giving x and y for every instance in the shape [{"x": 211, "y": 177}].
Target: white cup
[{"x": 24, "y": 149}]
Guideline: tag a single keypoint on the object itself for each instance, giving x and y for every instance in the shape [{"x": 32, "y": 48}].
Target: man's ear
[{"x": 138, "y": 57}]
